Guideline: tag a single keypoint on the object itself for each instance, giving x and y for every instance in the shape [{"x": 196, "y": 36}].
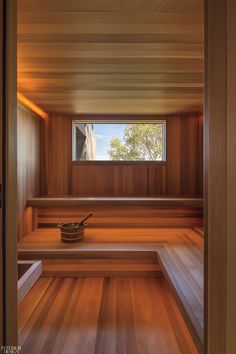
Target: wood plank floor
[
  {"x": 102, "y": 316},
  {"x": 180, "y": 252}
]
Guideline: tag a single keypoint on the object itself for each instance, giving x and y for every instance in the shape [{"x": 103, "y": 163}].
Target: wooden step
[
  {"x": 113, "y": 216},
  {"x": 115, "y": 212},
  {"x": 82, "y": 251},
  {"x": 120, "y": 201},
  {"x": 73, "y": 268},
  {"x": 180, "y": 259}
]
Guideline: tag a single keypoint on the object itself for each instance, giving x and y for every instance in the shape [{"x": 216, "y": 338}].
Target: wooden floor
[
  {"x": 102, "y": 316},
  {"x": 179, "y": 252}
]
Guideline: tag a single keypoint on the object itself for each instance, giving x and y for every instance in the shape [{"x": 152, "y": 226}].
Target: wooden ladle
[{"x": 85, "y": 218}]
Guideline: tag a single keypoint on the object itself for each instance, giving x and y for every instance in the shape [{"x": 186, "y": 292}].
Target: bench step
[{"x": 104, "y": 268}]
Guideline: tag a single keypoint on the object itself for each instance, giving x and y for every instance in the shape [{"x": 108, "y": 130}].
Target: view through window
[{"x": 119, "y": 141}]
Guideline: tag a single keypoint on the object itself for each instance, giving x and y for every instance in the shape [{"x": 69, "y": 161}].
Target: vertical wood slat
[
  {"x": 59, "y": 155},
  {"x": 220, "y": 192},
  {"x": 11, "y": 176},
  {"x": 173, "y": 156},
  {"x": 231, "y": 177},
  {"x": 216, "y": 174},
  {"x": 28, "y": 165},
  {"x": 201, "y": 153},
  {"x": 1, "y": 122},
  {"x": 180, "y": 175},
  {"x": 44, "y": 168}
]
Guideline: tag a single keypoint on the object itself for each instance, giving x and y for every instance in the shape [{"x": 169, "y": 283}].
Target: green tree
[{"x": 139, "y": 142}]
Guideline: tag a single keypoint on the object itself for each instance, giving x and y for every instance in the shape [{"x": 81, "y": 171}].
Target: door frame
[
  {"x": 8, "y": 106},
  {"x": 1, "y": 239},
  {"x": 219, "y": 176}
]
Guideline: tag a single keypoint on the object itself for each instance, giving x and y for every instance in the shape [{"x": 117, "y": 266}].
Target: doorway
[{"x": 217, "y": 224}]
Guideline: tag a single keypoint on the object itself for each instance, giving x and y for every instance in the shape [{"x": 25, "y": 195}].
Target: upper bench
[{"x": 74, "y": 202}]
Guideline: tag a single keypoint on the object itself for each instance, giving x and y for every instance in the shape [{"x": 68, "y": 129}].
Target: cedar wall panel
[
  {"x": 185, "y": 155},
  {"x": 56, "y": 176},
  {"x": 181, "y": 174},
  {"x": 60, "y": 161},
  {"x": 28, "y": 165}
]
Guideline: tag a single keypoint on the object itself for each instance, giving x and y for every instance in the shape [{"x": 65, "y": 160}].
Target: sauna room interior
[{"x": 110, "y": 122}]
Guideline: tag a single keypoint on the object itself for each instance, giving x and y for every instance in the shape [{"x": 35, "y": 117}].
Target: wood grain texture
[
  {"x": 137, "y": 315},
  {"x": 121, "y": 216},
  {"x": 97, "y": 202},
  {"x": 220, "y": 161},
  {"x": 180, "y": 254},
  {"x": 27, "y": 277},
  {"x": 100, "y": 268},
  {"x": 118, "y": 212},
  {"x": 231, "y": 168},
  {"x": 110, "y": 57},
  {"x": 175, "y": 258},
  {"x": 28, "y": 165},
  {"x": 216, "y": 165},
  {"x": 10, "y": 166},
  {"x": 43, "y": 242},
  {"x": 1, "y": 176},
  {"x": 181, "y": 174},
  {"x": 57, "y": 156}
]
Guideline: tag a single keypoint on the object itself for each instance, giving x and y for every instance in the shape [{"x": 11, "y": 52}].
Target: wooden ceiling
[{"x": 111, "y": 56}]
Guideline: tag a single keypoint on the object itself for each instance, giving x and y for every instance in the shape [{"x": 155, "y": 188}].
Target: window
[{"x": 119, "y": 141}]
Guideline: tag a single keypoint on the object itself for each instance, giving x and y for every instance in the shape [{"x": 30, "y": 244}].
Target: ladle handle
[{"x": 85, "y": 218}]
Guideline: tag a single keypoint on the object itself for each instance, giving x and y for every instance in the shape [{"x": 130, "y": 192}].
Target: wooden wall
[
  {"x": 1, "y": 174},
  {"x": 181, "y": 174},
  {"x": 28, "y": 164},
  {"x": 9, "y": 115},
  {"x": 220, "y": 177}
]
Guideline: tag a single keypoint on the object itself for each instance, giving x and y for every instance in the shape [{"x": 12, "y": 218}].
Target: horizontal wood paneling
[
  {"x": 118, "y": 216},
  {"x": 181, "y": 174},
  {"x": 28, "y": 165},
  {"x": 113, "y": 5},
  {"x": 112, "y": 56}
]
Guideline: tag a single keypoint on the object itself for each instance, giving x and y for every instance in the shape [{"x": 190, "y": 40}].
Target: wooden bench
[
  {"x": 75, "y": 202},
  {"x": 183, "y": 266},
  {"x": 122, "y": 228},
  {"x": 118, "y": 212},
  {"x": 179, "y": 255}
]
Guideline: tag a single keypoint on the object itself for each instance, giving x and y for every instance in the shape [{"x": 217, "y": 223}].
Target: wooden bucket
[{"x": 72, "y": 232}]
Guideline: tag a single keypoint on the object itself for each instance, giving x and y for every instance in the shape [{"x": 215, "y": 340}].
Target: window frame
[{"x": 128, "y": 121}]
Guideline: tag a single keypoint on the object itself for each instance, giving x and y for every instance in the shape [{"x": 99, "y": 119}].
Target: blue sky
[{"x": 104, "y": 133}]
